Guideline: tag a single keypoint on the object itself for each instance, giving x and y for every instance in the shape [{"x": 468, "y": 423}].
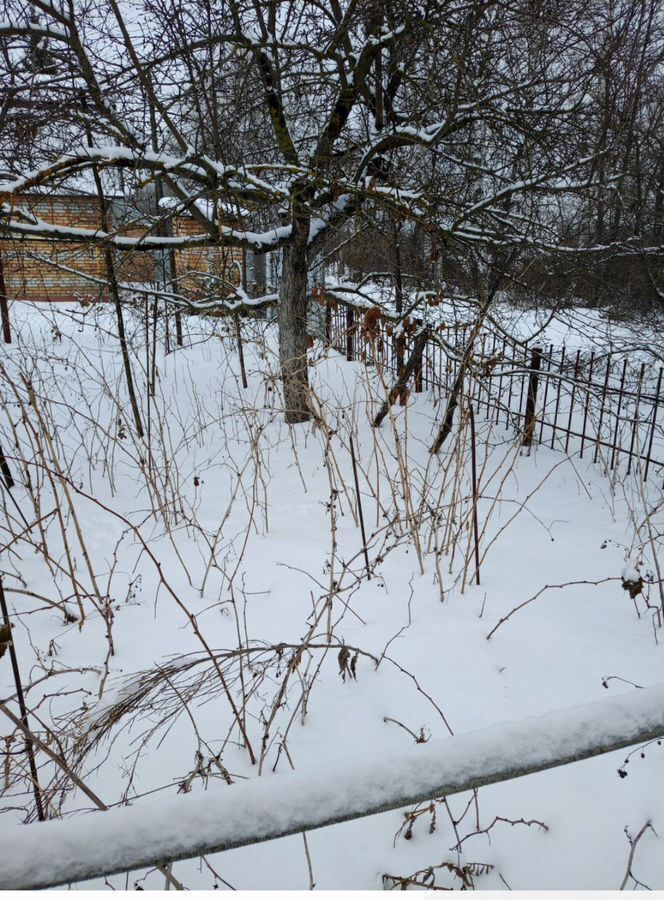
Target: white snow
[
  {"x": 630, "y": 573},
  {"x": 235, "y": 509}
]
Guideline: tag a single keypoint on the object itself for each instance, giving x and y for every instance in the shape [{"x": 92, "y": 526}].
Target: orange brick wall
[
  {"x": 195, "y": 265},
  {"x": 45, "y": 278},
  {"x": 38, "y": 279}
]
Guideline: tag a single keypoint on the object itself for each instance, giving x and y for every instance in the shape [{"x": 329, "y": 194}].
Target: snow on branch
[
  {"x": 549, "y": 182},
  {"x": 96, "y": 844},
  {"x": 238, "y": 301},
  {"x": 41, "y": 230},
  {"x": 33, "y": 227},
  {"x": 33, "y": 29},
  {"x": 106, "y": 156}
]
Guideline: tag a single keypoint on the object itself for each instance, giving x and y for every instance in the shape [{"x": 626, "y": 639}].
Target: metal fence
[
  {"x": 94, "y": 845},
  {"x": 603, "y": 405}
]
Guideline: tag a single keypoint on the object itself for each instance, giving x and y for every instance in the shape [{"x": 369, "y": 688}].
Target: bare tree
[{"x": 472, "y": 121}]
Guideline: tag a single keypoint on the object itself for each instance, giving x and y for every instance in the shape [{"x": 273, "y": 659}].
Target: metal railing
[{"x": 262, "y": 809}]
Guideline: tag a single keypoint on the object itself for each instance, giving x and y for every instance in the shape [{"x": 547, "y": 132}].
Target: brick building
[{"x": 37, "y": 269}]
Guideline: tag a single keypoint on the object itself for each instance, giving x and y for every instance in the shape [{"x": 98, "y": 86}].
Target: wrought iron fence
[{"x": 599, "y": 404}]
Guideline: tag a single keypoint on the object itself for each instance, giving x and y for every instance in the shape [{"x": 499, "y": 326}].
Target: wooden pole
[
  {"x": 29, "y": 749},
  {"x": 350, "y": 320},
  {"x": 531, "y": 401},
  {"x": 403, "y": 376},
  {"x": 473, "y": 459},
  {"x": 115, "y": 294},
  {"x": 418, "y": 364},
  {"x": 4, "y": 306},
  {"x": 240, "y": 350},
  {"x": 238, "y": 329},
  {"x": 328, "y": 325},
  {"x": 178, "y": 311}
]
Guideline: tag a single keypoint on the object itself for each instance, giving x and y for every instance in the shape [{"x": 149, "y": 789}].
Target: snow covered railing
[{"x": 181, "y": 827}]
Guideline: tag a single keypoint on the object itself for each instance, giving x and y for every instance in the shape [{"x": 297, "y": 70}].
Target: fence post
[
  {"x": 635, "y": 426},
  {"x": 350, "y": 320},
  {"x": 615, "y": 448},
  {"x": 654, "y": 420},
  {"x": 4, "y": 306},
  {"x": 531, "y": 402},
  {"x": 418, "y": 365},
  {"x": 587, "y": 403},
  {"x": 328, "y": 324}
]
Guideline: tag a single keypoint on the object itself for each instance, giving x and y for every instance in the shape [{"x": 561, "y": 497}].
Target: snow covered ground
[
  {"x": 226, "y": 567},
  {"x": 583, "y": 328}
]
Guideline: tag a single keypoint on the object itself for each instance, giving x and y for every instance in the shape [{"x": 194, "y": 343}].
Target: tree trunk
[{"x": 293, "y": 330}]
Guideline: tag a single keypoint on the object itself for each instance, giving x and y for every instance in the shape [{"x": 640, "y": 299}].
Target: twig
[
  {"x": 497, "y": 819},
  {"x": 633, "y": 842},
  {"x": 418, "y": 738},
  {"x": 547, "y": 587},
  {"x": 359, "y": 508}
]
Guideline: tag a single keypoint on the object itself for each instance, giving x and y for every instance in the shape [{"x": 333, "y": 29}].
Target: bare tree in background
[{"x": 476, "y": 122}]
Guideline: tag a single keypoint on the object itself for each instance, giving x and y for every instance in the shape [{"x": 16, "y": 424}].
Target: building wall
[
  {"x": 39, "y": 269},
  {"x": 31, "y": 267},
  {"x": 201, "y": 271}
]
